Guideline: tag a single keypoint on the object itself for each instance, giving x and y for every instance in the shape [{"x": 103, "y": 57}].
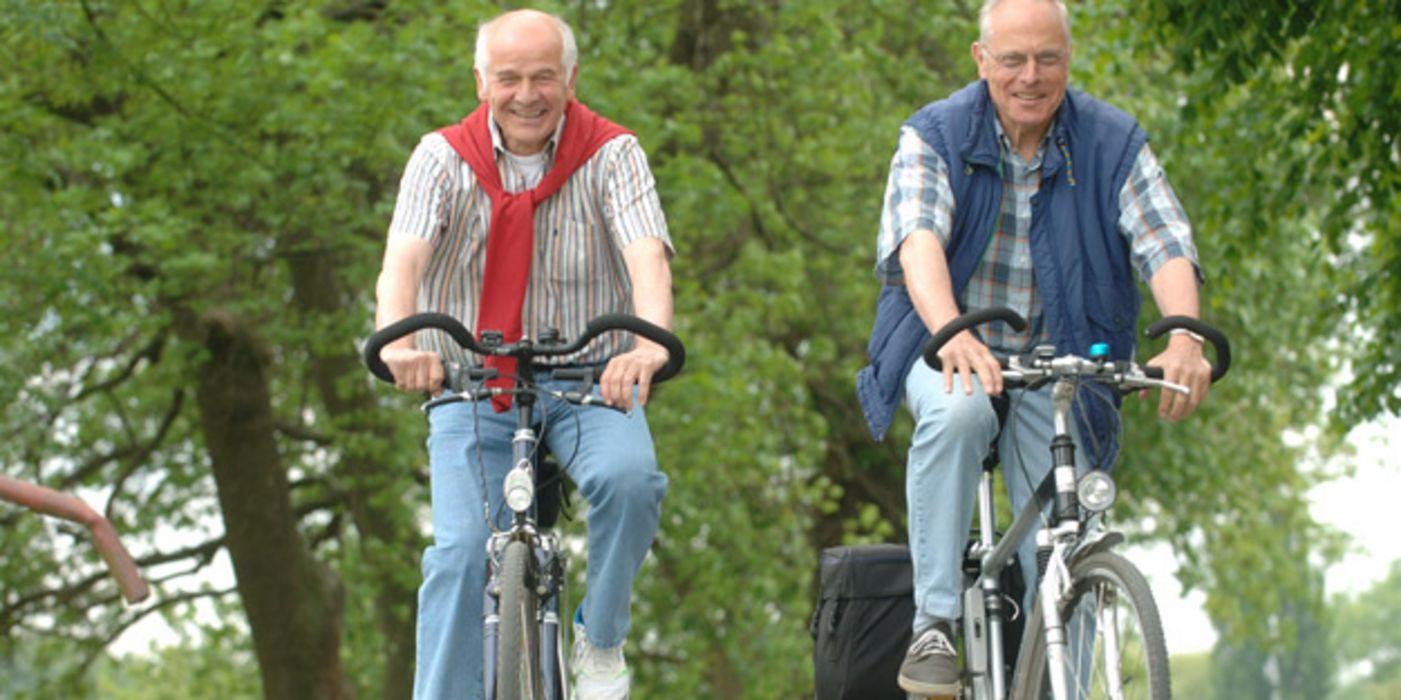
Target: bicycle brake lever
[
  {"x": 1165, "y": 384},
  {"x": 583, "y": 399},
  {"x": 442, "y": 401}
]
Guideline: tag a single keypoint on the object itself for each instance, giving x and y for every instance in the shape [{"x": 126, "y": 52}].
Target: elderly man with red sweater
[{"x": 533, "y": 213}]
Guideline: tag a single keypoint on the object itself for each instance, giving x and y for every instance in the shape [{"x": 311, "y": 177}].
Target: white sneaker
[{"x": 599, "y": 674}]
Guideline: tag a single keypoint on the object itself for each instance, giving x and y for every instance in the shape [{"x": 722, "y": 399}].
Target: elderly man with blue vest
[{"x": 1013, "y": 191}]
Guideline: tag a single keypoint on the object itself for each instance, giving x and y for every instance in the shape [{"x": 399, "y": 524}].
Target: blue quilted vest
[{"x": 1088, "y": 289}]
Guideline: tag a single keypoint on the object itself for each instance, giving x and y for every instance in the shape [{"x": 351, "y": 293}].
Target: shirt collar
[
  {"x": 500, "y": 146},
  {"x": 1006, "y": 143}
]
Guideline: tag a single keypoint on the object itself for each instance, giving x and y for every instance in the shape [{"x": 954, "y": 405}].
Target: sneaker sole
[{"x": 942, "y": 690}]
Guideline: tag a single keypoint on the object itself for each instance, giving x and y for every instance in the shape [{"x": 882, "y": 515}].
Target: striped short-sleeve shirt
[{"x": 577, "y": 272}]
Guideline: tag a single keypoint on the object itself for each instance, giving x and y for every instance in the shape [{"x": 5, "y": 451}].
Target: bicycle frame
[
  {"x": 983, "y": 603},
  {"x": 549, "y": 565}
]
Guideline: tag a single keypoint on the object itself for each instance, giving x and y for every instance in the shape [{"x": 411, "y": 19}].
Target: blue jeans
[
  {"x": 615, "y": 469},
  {"x": 953, "y": 432}
]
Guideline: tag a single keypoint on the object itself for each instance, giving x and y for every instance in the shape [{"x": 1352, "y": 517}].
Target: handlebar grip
[
  {"x": 572, "y": 374},
  {"x": 964, "y": 322},
  {"x": 676, "y": 352},
  {"x": 403, "y": 327},
  {"x": 1215, "y": 337}
]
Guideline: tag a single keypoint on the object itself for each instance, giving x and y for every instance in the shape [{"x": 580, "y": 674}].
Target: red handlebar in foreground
[{"x": 61, "y": 505}]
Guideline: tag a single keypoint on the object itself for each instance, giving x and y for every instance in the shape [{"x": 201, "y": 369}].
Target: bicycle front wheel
[
  {"x": 518, "y": 641},
  {"x": 1114, "y": 638}
]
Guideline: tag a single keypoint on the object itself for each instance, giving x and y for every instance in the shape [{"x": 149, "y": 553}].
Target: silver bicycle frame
[{"x": 984, "y": 632}]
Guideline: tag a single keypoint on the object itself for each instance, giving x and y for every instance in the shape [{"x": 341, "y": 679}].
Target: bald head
[
  {"x": 529, "y": 23},
  {"x": 985, "y": 16}
]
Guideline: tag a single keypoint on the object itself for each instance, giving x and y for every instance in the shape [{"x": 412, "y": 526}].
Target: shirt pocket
[{"x": 575, "y": 255}]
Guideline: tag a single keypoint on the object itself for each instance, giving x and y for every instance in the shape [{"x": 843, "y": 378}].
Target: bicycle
[
  {"x": 525, "y": 590},
  {"x": 46, "y": 501},
  {"x": 1094, "y": 631}
]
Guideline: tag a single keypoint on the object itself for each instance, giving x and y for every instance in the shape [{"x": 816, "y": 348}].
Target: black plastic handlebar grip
[
  {"x": 964, "y": 322},
  {"x": 676, "y": 352},
  {"x": 403, "y": 327},
  {"x": 1211, "y": 334}
]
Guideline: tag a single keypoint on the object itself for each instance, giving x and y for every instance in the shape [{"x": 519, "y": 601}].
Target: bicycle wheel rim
[
  {"x": 1115, "y": 647},
  {"x": 518, "y": 644}
]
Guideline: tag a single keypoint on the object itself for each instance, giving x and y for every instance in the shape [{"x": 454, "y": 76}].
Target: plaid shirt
[{"x": 918, "y": 197}]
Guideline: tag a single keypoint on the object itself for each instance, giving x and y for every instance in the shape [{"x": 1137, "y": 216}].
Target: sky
[{"x": 1362, "y": 506}]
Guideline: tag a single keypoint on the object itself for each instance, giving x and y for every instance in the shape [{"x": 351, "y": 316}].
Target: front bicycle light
[
  {"x": 1097, "y": 491},
  {"x": 519, "y": 489}
]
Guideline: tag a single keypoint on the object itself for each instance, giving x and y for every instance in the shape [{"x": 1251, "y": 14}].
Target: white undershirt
[{"x": 531, "y": 166}]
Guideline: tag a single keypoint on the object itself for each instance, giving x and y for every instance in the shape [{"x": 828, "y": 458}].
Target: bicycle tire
[
  {"x": 518, "y": 640},
  {"x": 1103, "y": 580}
]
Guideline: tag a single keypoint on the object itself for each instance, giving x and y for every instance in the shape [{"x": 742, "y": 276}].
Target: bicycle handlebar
[
  {"x": 1210, "y": 333},
  {"x": 524, "y": 350},
  {"x": 61, "y": 505},
  {"x": 963, "y": 323},
  {"x": 958, "y": 325}
]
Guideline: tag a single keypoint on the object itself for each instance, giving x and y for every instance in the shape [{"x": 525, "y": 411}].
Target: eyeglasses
[{"x": 1015, "y": 60}]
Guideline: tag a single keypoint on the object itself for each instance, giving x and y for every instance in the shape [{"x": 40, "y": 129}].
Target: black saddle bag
[{"x": 861, "y": 627}]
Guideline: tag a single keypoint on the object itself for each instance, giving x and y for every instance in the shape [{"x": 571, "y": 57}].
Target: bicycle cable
[
  {"x": 1010, "y": 428},
  {"x": 541, "y": 432}
]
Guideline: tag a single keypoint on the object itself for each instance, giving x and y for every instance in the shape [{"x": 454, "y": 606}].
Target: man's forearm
[
  {"x": 927, "y": 279},
  {"x": 396, "y": 291},
  {"x": 1174, "y": 288},
  {"x": 650, "y": 271}
]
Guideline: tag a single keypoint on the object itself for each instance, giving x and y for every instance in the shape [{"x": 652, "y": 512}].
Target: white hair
[
  {"x": 570, "y": 57},
  {"x": 985, "y": 19}
]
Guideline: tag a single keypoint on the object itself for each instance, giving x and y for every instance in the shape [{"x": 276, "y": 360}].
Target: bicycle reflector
[
  {"x": 1097, "y": 491},
  {"x": 519, "y": 489}
]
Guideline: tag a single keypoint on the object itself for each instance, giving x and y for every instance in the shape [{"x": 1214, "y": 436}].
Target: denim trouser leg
[
  {"x": 616, "y": 471},
  {"x": 952, "y": 433}
]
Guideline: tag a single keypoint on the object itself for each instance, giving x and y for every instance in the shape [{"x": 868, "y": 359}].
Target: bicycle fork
[{"x": 551, "y": 588}]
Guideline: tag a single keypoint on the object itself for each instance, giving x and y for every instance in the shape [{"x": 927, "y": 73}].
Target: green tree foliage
[
  {"x": 1311, "y": 91},
  {"x": 195, "y": 196},
  {"x": 1247, "y": 668},
  {"x": 1191, "y": 674},
  {"x": 191, "y": 189},
  {"x": 1364, "y": 637}
]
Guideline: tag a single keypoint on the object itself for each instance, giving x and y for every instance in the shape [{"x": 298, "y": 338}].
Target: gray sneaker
[{"x": 931, "y": 665}]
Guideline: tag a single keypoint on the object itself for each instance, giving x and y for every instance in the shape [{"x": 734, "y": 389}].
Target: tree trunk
[
  {"x": 293, "y": 602},
  {"x": 390, "y": 542}
]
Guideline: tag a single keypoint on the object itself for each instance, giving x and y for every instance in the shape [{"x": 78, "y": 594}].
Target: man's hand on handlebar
[
  {"x": 1183, "y": 363},
  {"x": 965, "y": 356},
  {"x": 414, "y": 370},
  {"x": 633, "y": 368}
]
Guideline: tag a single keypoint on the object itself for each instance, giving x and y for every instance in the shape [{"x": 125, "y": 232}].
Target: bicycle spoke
[{"x": 1114, "y": 647}]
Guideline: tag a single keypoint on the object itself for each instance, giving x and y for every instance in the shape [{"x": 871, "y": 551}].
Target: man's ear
[
  {"x": 481, "y": 85},
  {"x": 977, "y": 51}
]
